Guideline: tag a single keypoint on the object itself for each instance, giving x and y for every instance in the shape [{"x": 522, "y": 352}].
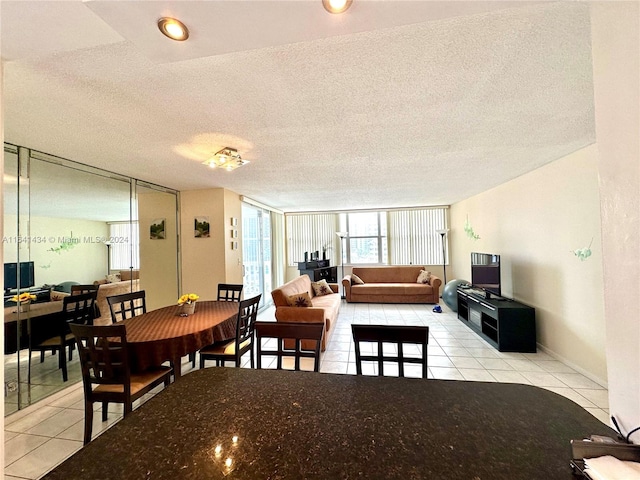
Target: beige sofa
[
  {"x": 131, "y": 284},
  {"x": 396, "y": 284},
  {"x": 108, "y": 290},
  {"x": 325, "y": 308}
]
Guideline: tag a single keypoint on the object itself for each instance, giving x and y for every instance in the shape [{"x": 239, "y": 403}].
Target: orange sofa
[
  {"x": 325, "y": 308},
  {"x": 395, "y": 284}
]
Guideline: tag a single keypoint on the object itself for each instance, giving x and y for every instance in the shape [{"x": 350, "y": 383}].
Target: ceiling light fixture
[
  {"x": 174, "y": 29},
  {"x": 336, "y": 6},
  {"x": 227, "y": 158}
]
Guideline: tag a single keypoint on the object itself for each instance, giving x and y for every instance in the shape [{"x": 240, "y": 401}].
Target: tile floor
[{"x": 43, "y": 435}]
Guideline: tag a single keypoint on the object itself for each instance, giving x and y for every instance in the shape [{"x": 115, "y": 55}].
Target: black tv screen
[
  {"x": 485, "y": 272},
  {"x": 11, "y": 275}
]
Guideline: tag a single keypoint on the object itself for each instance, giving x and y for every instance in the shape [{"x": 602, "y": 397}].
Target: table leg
[{"x": 177, "y": 367}]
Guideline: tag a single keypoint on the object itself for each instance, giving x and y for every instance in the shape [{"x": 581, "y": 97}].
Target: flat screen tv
[
  {"x": 11, "y": 275},
  {"x": 485, "y": 272}
]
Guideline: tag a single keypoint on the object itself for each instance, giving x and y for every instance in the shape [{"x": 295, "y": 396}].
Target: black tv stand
[{"x": 507, "y": 325}]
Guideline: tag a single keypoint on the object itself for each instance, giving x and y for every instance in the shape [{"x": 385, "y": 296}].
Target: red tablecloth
[{"x": 161, "y": 335}]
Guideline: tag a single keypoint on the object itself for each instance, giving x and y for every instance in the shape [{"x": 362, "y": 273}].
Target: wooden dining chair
[
  {"x": 106, "y": 373},
  {"x": 76, "y": 309},
  {"x": 87, "y": 288},
  {"x": 127, "y": 305},
  {"x": 398, "y": 335},
  {"x": 229, "y": 292},
  {"x": 233, "y": 350},
  {"x": 297, "y": 331}
]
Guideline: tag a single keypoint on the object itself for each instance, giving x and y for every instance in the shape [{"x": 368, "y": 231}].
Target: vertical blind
[
  {"x": 125, "y": 245},
  {"x": 411, "y": 236},
  {"x": 309, "y": 233},
  {"x": 277, "y": 241}
]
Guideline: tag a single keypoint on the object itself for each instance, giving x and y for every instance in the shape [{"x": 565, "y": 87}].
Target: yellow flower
[
  {"x": 25, "y": 297},
  {"x": 188, "y": 298}
]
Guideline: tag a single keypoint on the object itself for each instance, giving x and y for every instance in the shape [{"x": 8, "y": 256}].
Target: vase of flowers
[
  {"x": 187, "y": 303},
  {"x": 23, "y": 301}
]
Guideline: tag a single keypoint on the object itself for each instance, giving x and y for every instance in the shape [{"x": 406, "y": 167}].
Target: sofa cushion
[
  {"x": 297, "y": 285},
  {"x": 127, "y": 275},
  {"x": 395, "y": 274},
  {"x": 321, "y": 288},
  {"x": 391, "y": 289},
  {"x": 424, "y": 277},
  {"x": 356, "y": 280},
  {"x": 58, "y": 296},
  {"x": 299, "y": 300},
  {"x": 113, "y": 278}
]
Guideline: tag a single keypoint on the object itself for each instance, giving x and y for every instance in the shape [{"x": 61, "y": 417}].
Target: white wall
[
  {"x": 535, "y": 222},
  {"x": 616, "y": 53},
  {"x": 85, "y": 262}
]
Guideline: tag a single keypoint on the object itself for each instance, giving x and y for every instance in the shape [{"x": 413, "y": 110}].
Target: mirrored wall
[{"x": 69, "y": 224}]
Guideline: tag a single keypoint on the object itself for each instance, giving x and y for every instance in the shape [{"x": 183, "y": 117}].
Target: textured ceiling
[{"x": 392, "y": 104}]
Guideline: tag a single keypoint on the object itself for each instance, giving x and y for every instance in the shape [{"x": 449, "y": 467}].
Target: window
[
  {"x": 394, "y": 237},
  {"x": 367, "y": 240},
  {"x": 124, "y": 246},
  {"x": 413, "y": 238},
  {"x": 309, "y": 233}
]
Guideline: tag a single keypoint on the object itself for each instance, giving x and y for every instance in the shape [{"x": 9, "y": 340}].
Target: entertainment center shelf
[
  {"x": 319, "y": 270},
  {"x": 507, "y": 325}
]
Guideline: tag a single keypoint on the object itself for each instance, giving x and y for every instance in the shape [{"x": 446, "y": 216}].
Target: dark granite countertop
[{"x": 295, "y": 425}]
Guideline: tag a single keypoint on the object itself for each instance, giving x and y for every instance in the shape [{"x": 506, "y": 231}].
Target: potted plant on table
[
  {"x": 187, "y": 303},
  {"x": 23, "y": 301}
]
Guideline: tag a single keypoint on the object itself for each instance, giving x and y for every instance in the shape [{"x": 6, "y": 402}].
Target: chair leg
[
  {"x": 201, "y": 361},
  {"x": 63, "y": 360},
  {"x": 88, "y": 421},
  {"x": 105, "y": 411},
  {"x": 128, "y": 408},
  {"x": 41, "y": 356},
  {"x": 192, "y": 357},
  {"x": 71, "y": 352}
]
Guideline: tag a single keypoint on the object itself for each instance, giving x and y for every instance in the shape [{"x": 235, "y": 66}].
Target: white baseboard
[{"x": 603, "y": 383}]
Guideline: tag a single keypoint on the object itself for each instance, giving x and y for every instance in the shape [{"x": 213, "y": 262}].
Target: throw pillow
[
  {"x": 113, "y": 278},
  {"x": 299, "y": 300},
  {"x": 321, "y": 288},
  {"x": 424, "y": 277},
  {"x": 58, "y": 296},
  {"x": 356, "y": 280}
]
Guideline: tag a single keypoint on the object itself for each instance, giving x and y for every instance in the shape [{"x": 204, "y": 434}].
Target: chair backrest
[
  {"x": 88, "y": 288},
  {"x": 229, "y": 292},
  {"x": 79, "y": 308},
  {"x": 247, "y": 314},
  {"x": 103, "y": 356},
  {"x": 398, "y": 335},
  {"x": 290, "y": 330},
  {"x": 127, "y": 305},
  {"x": 77, "y": 289}
]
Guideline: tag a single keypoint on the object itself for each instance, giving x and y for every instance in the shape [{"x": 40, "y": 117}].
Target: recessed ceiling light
[
  {"x": 174, "y": 29},
  {"x": 336, "y": 6}
]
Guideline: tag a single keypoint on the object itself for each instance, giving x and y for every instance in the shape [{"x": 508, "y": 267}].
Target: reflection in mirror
[{"x": 62, "y": 224}]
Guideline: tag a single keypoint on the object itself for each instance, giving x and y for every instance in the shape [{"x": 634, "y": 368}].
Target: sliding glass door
[{"x": 256, "y": 253}]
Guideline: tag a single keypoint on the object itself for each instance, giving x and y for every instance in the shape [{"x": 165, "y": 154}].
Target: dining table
[
  {"x": 241, "y": 423},
  {"x": 165, "y": 334}
]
